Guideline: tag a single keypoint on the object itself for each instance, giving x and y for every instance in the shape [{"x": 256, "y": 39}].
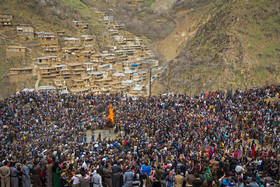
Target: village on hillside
[{"x": 70, "y": 64}]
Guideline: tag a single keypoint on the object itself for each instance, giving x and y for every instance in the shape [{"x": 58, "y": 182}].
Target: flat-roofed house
[
  {"x": 80, "y": 25},
  {"x": 44, "y": 34},
  {"x": 117, "y": 26},
  {"x": 88, "y": 47},
  {"x": 72, "y": 41},
  {"x": 60, "y": 84},
  {"x": 6, "y": 19},
  {"x": 104, "y": 67},
  {"x": 94, "y": 88},
  {"x": 66, "y": 73},
  {"x": 100, "y": 13},
  {"x": 118, "y": 76},
  {"x": 90, "y": 67},
  {"x": 61, "y": 33},
  {"x": 48, "y": 73},
  {"x": 87, "y": 38},
  {"x": 20, "y": 71},
  {"x": 70, "y": 50},
  {"x": 129, "y": 74},
  {"x": 49, "y": 60},
  {"x": 60, "y": 67},
  {"x": 76, "y": 69},
  {"x": 46, "y": 40},
  {"x": 77, "y": 86},
  {"x": 25, "y": 31},
  {"x": 16, "y": 51},
  {"x": 84, "y": 56},
  {"x": 98, "y": 75},
  {"x": 51, "y": 49}
]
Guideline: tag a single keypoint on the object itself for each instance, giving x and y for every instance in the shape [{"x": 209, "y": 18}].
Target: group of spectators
[{"x": 223, "y": 138}]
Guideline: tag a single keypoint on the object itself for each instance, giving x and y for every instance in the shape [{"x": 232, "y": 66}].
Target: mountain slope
[
  {"x": 237, "y": 47},
  {"x": 42, "y": 15}
]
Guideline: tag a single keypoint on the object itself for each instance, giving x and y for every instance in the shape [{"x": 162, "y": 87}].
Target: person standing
[
  {"x": 96, "y": 179},
  {"x": 253, "y": 183},
  {"x": 5, "y": 175},
  {"x": 36, "y": 172},
  {"x": 25, "y": 175},
  {"x": 49, "y": 173},
  {"x": 14, "y": 175},
  {"x": 75, "y": 179},
  {"x": 56, "y": 175},
  {"x": 146, "y": 169},
  {"x": 170, "y": 179},
  {"x": 116, "y": 171},
  {"x": 178, "y": 180},
  {"x": 108, "y": 175},
  {"x": 128, "y": 178},
  {"x": 84, "y": 182}
]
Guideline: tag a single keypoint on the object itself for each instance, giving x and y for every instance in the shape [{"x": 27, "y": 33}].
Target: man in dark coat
[
  {"x": 36, "y": 171},
  {"x": 116, "y": 178},
  {"x": 107, "y": 176}
]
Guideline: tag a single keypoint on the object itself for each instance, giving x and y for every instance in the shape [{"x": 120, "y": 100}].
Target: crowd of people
[{"x": 223, "y": 138}]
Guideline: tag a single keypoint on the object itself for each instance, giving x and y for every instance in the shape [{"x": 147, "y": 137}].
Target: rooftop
[
  {"x": 119, "y": 74},
  {"x": 47, "y": 88},
  {"x": 96, "y": 73},
  {"x": 26, "y": 68},
  {"x": 16, "y": 47},
  {"x": 45, "y": 57},
  {"x": 70, "y": 39}
]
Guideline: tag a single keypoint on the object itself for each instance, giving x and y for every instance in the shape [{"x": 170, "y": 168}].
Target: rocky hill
[
  {"x": 210, "y": 45},
  {"x": 237, "y": 47}
]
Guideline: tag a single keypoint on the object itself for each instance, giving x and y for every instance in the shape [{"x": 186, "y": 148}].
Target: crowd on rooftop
[{"x": 223, "y": 138}]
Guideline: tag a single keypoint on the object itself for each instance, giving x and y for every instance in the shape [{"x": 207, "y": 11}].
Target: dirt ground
[{"x": 105, "y": 133}]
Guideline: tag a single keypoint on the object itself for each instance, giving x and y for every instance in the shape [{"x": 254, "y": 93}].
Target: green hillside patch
[
  {"x": 82, "y": 9},
  {"x": 147, "y": 3}
]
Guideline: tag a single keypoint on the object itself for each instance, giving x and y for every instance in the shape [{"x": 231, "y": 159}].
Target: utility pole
[{"x": 150, "y": 88}]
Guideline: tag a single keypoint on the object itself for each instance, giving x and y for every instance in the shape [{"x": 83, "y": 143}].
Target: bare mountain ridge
[{"x": 237, "y": 47}]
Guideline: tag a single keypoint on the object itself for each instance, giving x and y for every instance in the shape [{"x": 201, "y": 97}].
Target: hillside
[
  {"x": 46, "y": 16},
  {"x": 202, "y": 44},
  {"x": 237, "y": 47},
  {"x": 208, "y": 45}
]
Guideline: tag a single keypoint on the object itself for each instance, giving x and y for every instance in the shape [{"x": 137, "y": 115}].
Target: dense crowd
[{"x": 225, "y": 138}]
